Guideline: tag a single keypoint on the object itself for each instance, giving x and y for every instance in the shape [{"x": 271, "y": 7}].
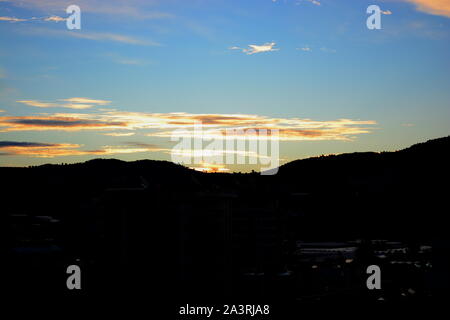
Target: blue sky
[{"x": 154, "y": 58}]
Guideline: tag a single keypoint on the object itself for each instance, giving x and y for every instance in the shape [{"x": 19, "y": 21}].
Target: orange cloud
[
  {"x": 213, "y": 125},
  {"x": 42, "y": 150},
  {"x": 436, "y": 7},
  {"x": 63, "y": 123},
  {"x": 11, "y": 19},
  {"x": 38, "y": 104},
  {"x": 50, "y": 150},
  {"x": 87, "y": 100},
  {"x": 293, "y": 129},
  {"x": 77, "y": 106},
  {"x": 71, "y": 103},
  {"x": 55, "y": 19}
]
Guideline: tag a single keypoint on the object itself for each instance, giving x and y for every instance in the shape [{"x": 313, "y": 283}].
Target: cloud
[
  {"x": 71, "y": 103},
  {"x": 119, "y": 134},
  {"x": 45, "y": 123},
  {"x": 87, "y": 100},
  {"x": 50, "y": 18},
  {"x": 98, "y": 36},
  {"x": 315, "y": 2},
  {"x": 126, "y": 149},
  {"x": 209, "y": 153},
  {"x": 50, "y": 150},
  {"x": 116, "y": 58},
  {"x": 346, "y": 130},
  {"x": 253, "y": 48},
  {"x": 11, "y": 19},
  {"x": 37, "y": 149},
  {"x": 386, "y": 12},
  {"x": 142, "y": 145},
  {"x": 435, "y": 7},
  {"x": 8, "y": 144},
  {"x": 328, "y": 50},
  {"x": 95, "y": 36},
  {"x": 38, "y": 104},
  {"x": 136, "y": 9},
  {"x": 290, "y": 129},
  {"x": 164, "y": 124},
  {"x": 77, "y": 106},
  {"x": 55, "y": 19},
  {"x": 307, "y": 48}
]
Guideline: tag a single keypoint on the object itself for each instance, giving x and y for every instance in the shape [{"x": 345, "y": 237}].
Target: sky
[{"x": 138, "y": 72}]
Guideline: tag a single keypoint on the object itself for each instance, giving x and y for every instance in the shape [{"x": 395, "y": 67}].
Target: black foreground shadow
[{"x": 155, "y": 229}]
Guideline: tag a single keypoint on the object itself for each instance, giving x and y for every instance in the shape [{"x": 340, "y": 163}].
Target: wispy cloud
[
  {"x": 50, "y": 150},
  {"x": 142, "y": 145},
  {"x": 36, "y": 149},
  {"x": 164, "y": 124},
  {"x": 11, "y": 19},
  {"x": 119, "y": 134},
  {"x": 98, "y": 36},
  {"x": 315, "y": 2},
  {"x": 50, "y": 19},
  {"x": 137, "y": 9},
  {"x": 328, "y": 50},
  {"x": 38, "y": 104},
  {"x": 305, "y": 48},
  {"x": 435, "y": 7},
  {"x": 77, "y": 106},
  {"x": 116, "y": 58},
  {"x": 299, "y": 2},
  {"x": 87, "y": 100},
  {"x": 61, "y": 123},
  {"x": 71, "y": 103},
  {"x": 253, "y": 48},
  {"x": 55, "y": 19},
  {"x": 386, "y": 12},
  {"x": 95, "y": 36}
]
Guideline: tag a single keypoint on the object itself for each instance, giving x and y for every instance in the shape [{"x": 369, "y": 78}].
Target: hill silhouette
[
  {"x": 417, "y": 156},
  {"x": 402, "y": 176},
  {"x": 358, "y": 163}
]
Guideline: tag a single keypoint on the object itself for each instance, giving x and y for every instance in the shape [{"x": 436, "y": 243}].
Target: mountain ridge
[{"x": 431, "y": 147}]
